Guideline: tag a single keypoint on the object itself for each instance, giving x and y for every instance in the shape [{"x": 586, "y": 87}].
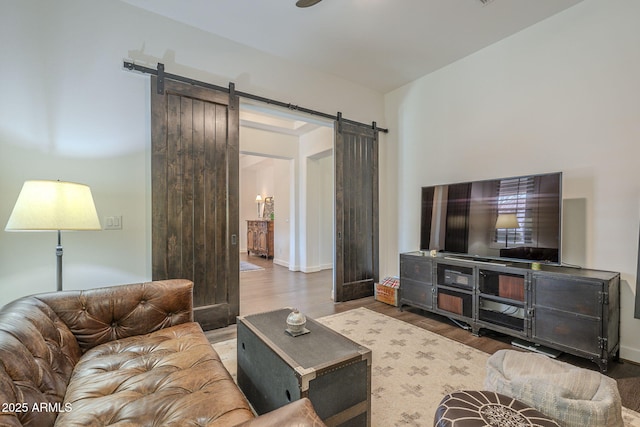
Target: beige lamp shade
[
  {"x": 509, "y": 220},
  {"x": 53, "y": 205},
  {"x": 258, "y": 198}
]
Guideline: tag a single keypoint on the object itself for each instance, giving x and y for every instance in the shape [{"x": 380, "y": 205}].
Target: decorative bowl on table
[{"x": 296, "y": 322}]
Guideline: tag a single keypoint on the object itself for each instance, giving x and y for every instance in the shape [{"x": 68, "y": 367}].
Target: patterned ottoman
[{"x": 487, "y": 409}]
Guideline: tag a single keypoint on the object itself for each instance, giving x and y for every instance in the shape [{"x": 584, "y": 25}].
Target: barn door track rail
[{"x": 162, "y": 75}]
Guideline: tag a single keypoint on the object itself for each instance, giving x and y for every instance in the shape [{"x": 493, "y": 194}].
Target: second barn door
[{"x": 356, "y": 226}]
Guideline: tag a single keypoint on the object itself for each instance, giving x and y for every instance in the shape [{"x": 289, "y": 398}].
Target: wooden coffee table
[{"x": 275, "y": 368}]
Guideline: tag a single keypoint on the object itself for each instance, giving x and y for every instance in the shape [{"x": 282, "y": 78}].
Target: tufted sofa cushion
[
  {"x": 166, "y": 378},
  {"x": 101, "y": 315},
  {"x": 42, "y": 338},
  {"x": 37, "y": 356}
]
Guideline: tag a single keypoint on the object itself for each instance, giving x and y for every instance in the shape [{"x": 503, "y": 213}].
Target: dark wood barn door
[
  {"x": 356, "y": 239},
  {"x": 194, "y": 170}
]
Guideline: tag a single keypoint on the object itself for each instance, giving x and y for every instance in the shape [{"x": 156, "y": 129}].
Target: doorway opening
[{"x": 288, "y": 158}]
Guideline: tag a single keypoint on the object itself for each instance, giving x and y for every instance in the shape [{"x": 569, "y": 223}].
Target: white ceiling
[{"x": 381, "y": 44}]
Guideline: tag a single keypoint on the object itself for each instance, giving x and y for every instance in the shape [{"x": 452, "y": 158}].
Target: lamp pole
[{"x": 59, "y": 262}]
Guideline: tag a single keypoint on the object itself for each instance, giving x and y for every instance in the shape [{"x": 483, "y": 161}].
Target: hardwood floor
[{"x": 276, "y": 287}]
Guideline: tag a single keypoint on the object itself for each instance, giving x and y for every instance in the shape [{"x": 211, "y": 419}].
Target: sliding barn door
[
  {"x": 356, "y": 239},
  {"x": 194, "y": 170}
]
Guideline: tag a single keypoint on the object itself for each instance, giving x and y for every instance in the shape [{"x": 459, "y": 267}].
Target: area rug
[
  {"x": 247, "y": 266},
  {"x": 412, "y": 369}
]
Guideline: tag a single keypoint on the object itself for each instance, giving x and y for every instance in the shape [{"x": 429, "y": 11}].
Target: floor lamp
[
  {"x": 54, "y": 206},
  {"x": 507, "y": 222}
]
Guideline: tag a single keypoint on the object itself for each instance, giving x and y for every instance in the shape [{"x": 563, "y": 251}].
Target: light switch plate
[{"x": 113, "y": 222}]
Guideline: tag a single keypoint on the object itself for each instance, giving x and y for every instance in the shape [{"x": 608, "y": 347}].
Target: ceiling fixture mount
[{"x": 307, "y": 3}]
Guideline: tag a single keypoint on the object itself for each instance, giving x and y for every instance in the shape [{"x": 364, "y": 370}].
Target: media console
[{"x": 573, "y": 310}]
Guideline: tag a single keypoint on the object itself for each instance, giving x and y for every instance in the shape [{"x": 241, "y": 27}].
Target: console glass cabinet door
[
  {"x": 503, "y": 299},
  {"x": 454, "y": 290},
  {"x": 577, "y": 314},
  {"x": 417, "y": 288}
]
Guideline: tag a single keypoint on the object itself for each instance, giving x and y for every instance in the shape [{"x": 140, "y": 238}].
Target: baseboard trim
[
  {"x": 281, "y": 262},
  {"x": 311, "y": 269},
  {"x": 630, "y": 354},
  {"x": 316, "y": 268}
]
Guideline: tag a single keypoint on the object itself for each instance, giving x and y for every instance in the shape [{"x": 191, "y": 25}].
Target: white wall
[
  {"x": 248, "y": 208},
  {"x": 316, "y": 205},
  {"x": 252, "y": 183},
  {"x": 281, "y": 182},
  {"x": 559, "y": 96},
  {"x": 69, "y": 111},
  {"x": 326, "y": 220},
  {"x": 283, "y": 211},
  {"x": 268, "y": 177}
]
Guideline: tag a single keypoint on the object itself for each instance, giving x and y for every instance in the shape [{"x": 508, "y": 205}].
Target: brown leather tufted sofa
[{"x": 127, "y": 355}]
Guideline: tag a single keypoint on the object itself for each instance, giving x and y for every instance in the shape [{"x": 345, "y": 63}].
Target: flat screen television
[{"x": 517, "y": 218}]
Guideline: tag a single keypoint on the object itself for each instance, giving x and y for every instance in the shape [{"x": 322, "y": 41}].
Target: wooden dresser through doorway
[{"x": 260, "y": 237}]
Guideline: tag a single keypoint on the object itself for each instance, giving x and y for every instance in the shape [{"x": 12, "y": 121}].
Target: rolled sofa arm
[
  {"x": 96, "y": 316},
  {"x": 299, "y": 413}
]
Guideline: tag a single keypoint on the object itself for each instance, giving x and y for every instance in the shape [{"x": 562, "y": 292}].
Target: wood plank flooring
[{"x": 276, "y": 287}]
